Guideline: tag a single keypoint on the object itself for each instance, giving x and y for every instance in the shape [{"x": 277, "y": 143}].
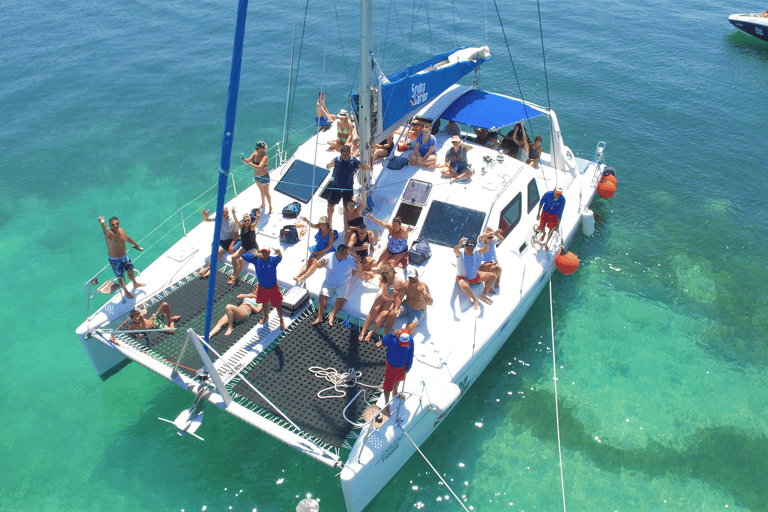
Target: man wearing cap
[
  {"x": 456, "y": 161},
  {"x": 553, "y": 204},
  {"x": 470, "y": 273},
  {"x": 399, "y": 360},
  {"x": 338, "y": 278},
  {"x": 267, "y": 290},
  {"x": 344, "y": 169},
  {"x": 412, "y": 301}
]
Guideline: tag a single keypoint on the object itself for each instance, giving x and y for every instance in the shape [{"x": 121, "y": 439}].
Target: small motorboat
[{"x": 753, "y": 24}]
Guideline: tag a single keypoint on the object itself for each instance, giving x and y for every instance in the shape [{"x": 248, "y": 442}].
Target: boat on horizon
[
  {"x": 266, "y": 376},
  {"x": 755, "y": 24}
]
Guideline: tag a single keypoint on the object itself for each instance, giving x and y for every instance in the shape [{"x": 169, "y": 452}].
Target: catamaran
[{"x": 278, "y": 380}]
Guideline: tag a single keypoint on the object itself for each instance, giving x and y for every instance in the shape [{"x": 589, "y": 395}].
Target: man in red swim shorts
[
  {"x": 399, "y": 360},
  {"x": 553, "y": 204}
]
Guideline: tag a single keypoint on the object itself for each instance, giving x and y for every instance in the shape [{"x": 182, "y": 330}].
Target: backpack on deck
[
  {"x": 420, "y": 252},
  {"x": 289, "y": 234},
  {"x": 292, "y": 210}
]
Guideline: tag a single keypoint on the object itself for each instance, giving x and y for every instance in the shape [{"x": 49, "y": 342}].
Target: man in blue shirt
[
  {"x": 344, "y": 169},
  {"x": 268, "y": 291},
  {"x": 553, "y": 203},
  {"x": 399, "y": 360}
]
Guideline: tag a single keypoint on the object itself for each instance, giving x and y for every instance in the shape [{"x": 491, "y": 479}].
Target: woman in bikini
[
  {"x": 324, "y": 238},
  {"x": 353, "y": 216},
  {"x": 384, "y": 302},
  {"x": 360, "y": 244},
  {"x": 247, "y": 241},
  {"x": 397, "y": 244},
  {"x": 237, "y": 314},
  {"x": 259, "y": 161},
  {"x": 344, "y": 131}
]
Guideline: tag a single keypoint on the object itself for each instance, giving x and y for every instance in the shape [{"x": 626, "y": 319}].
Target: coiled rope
[{"x": 339, "y": 381}]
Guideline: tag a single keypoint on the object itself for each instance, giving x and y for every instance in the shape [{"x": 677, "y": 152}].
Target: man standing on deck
[
  {"x": 116, "y": 239},
  {"x": 553, "y": 203},
  {"x": 344, "y": 169},
  {"x": 268, "y": 291},
  {"x": 399, "y": 360}
]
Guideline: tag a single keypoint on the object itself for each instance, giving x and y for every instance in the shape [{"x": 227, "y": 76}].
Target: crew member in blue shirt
[
  {"x": 553, "y": 204},
  {"x": 344, "y": 169},
  {"x": 268, "y": 291},
  {"x": 399, "y": 360}
]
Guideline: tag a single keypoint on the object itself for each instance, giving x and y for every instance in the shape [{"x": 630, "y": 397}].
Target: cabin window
[
  {"x": 533, "y": 195},
  {"x": 296, "y": 183},
  {"x": 510, "y": 215},
  {"x": 446, "y": 223}
]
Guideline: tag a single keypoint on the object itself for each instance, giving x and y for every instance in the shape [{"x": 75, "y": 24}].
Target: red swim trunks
[
  {"x": 470, "y": 281},
  {"x": 392, "y": 375},
  {"x": 550, "y": 219},
  {"x": 271, "y": 295}
]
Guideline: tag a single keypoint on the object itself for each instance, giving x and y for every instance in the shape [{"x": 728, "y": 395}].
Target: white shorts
[{"x": 335, "y": 292}]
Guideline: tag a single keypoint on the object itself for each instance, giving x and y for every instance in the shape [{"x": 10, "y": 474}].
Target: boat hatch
[
  {"x": 282, "y": 373},
  {"x": 446, "y": 223},
  {"x": 300, "y": 174},
  {"x": 414, "y": 199}
]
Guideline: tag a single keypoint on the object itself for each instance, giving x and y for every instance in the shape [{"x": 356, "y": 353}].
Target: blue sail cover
[
  {"x": 487, "y": 110},
  {"x": 408, "y": 91}
]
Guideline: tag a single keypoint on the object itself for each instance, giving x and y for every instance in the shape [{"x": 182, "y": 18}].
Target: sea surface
[{"x": 117, "y": 108}]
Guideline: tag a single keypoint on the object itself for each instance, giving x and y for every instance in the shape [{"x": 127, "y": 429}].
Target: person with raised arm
[{"x": 116, "y": 238}]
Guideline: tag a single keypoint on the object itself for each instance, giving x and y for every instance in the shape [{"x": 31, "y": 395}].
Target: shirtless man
[
  {"x": 413, "y": 299},
  {"x": 139, "y": 322},
  {"x": 116, "y": 238}
]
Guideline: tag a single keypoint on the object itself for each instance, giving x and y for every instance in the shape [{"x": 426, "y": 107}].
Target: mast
[{"x": 364, "y": 108}]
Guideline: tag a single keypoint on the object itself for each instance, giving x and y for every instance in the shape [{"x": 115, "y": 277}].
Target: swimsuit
[
  {"x": 264, "y": 180},
  {"x": 251, "y": 302},
  {"x": 363, "y": 253},
  {"x": 397, "y": 245},
  {"x": 357, "y": 221},
  {"x": 157, "y": 321},
  {"x": 322, "y": 241},
  {"x": 343, "y": 134},
  {"x": 248, "y": 240},
  {"x": 321, "y": 121},
  {"x": 121, "y": 265},
  {"x": 413, "y": 315}
]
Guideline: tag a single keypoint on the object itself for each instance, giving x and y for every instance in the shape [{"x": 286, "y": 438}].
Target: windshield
[{"x": 446, "y": 223}]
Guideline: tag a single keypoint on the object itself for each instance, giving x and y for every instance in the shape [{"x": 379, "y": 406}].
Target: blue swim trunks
[
  {"x": 321, "y": 121},
  {"x": 264, "y": 180},
  {"x": 121, "y": 265}
]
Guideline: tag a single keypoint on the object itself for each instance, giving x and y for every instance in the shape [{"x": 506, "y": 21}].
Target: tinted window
[
  {"x": 447, "y": 223},
  {"x": 533, "y": 195},
  {"x": 297, "y": 182},
  {"x": 510, "y": 215}
]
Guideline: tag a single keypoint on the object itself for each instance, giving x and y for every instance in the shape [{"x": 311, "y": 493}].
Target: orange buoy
[
  {"x": 605, "y": 188},
  {"x": 567, "y": 262}
]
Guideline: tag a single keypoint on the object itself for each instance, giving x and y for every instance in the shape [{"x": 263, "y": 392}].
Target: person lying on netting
[{"x": 141, "y": 323}]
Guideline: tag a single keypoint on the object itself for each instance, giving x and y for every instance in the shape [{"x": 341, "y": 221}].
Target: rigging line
[
  {"x": 543, "y": 55},
  {"x": 509, "y": 52},
  {"x": 554, "y": 373},
  {"x": 433, "y": 468},
  {"x": 290, "y": 77},
  {"x": 298, "y": 65},
  {"x": 341, "y": 46}
]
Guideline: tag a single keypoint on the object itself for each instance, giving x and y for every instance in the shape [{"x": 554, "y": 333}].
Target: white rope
[
  {"x": 340, "y": 381},
  {"x": 433, "y": 469},
  {"x": 554, "y": 373}
]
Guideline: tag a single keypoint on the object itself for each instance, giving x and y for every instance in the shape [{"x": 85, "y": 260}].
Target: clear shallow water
[{"x": 117, "y": 109}]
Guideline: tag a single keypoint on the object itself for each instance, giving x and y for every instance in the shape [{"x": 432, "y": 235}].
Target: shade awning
[{"x": 487, "y": 110}]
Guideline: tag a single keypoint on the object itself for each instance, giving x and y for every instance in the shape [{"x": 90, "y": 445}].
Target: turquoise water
[{"x": 114, "y": 108}]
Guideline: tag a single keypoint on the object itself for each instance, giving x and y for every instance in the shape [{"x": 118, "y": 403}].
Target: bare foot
[
  {"x": 317, "y": 320},
  {"x": 228, "y": 331},
  {"x": 232, "y": 281},
  {"x": 270, "y": 210},
  {"x": 175, "y": 318},
  {"x": 485, "y": 299},
  {"x": 128, "y": 294},
  {"x": 362, "y": 335},
  {"x": 491, "y": 291},
  {"x": 475, "y": 305},
  {"x": 136, "y": 285},
  {"x": 368, "y": 336},
  {"x": 330, "y": 321}
]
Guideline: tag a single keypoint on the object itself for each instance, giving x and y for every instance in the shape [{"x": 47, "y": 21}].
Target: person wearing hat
[
  {"x": 412, "y": 301},
  {"x": 267, "y": 290},
  {"x": 553, "y": 204},
  {"x": 399, "y": 346},
  {"x": 340, "y": 267},
  {"x": 247, "y": 241},
  {"x": 457, "y": 167},
  {"x": 324, "y": 240},
  {"x": 259, "y": 161},
  {"x": 470, "y": 273},
  {"x": 344, "y": 131},
  {"x": 344, "y": 169}
]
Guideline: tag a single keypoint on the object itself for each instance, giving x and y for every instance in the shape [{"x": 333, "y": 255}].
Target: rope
[
  {"x": 433, "y": 469},
  {"x": 543, "y": 55},
  {"x": 557, "y": 409},
  {"x": 339, "y": 381}
]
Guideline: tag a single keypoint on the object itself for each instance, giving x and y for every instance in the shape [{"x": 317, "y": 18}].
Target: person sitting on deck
[
  {"x": 384, "y": 148},
  {"x": 490, "y": 264},
  {"x": 324, "y": 240},
  {"x": 322, "y": 116},
  {"x": 515, "y": 143},
  {"x": 247, "y": 241},
  {"x": 412, "y": 301},
  {"x": 481, "y": 135},
  {"x": 397, "y": 246},
  {"x": 353, "y": 215},
  {"x": 228, "y": 236},
  {"x": 267, "y": 290},
  {"x": 423, "y": 153},
  {"x": 237, "y": 314},
  {"x": 492, "y": 141},
  {"x": 400, "y": 350},
  {"x": 338, "y": 278},
  {"x": 456, "y": 161},
  {"x": 139, "y": 322},
  {"x": 344, "y": 130},
  {"x": 259, "y": 160},
  {"x": 116, "y": 238},
  {"x": 360, "y": 244},
  {"x": 553, "y": 204},
  {"x": 452, "y": 129},
  {"x": 534, "y": 153},
  {"x": 383, "y": 304},
  {"x": 470, "y": 273}
]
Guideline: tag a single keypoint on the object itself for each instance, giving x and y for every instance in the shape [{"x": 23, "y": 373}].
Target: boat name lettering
[
  {"x": 390, "y": 449},
  {"x": 418, "y": 94}
]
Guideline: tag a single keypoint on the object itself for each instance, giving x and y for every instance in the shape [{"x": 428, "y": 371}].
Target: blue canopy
[{"x": 487, "y": 110}]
